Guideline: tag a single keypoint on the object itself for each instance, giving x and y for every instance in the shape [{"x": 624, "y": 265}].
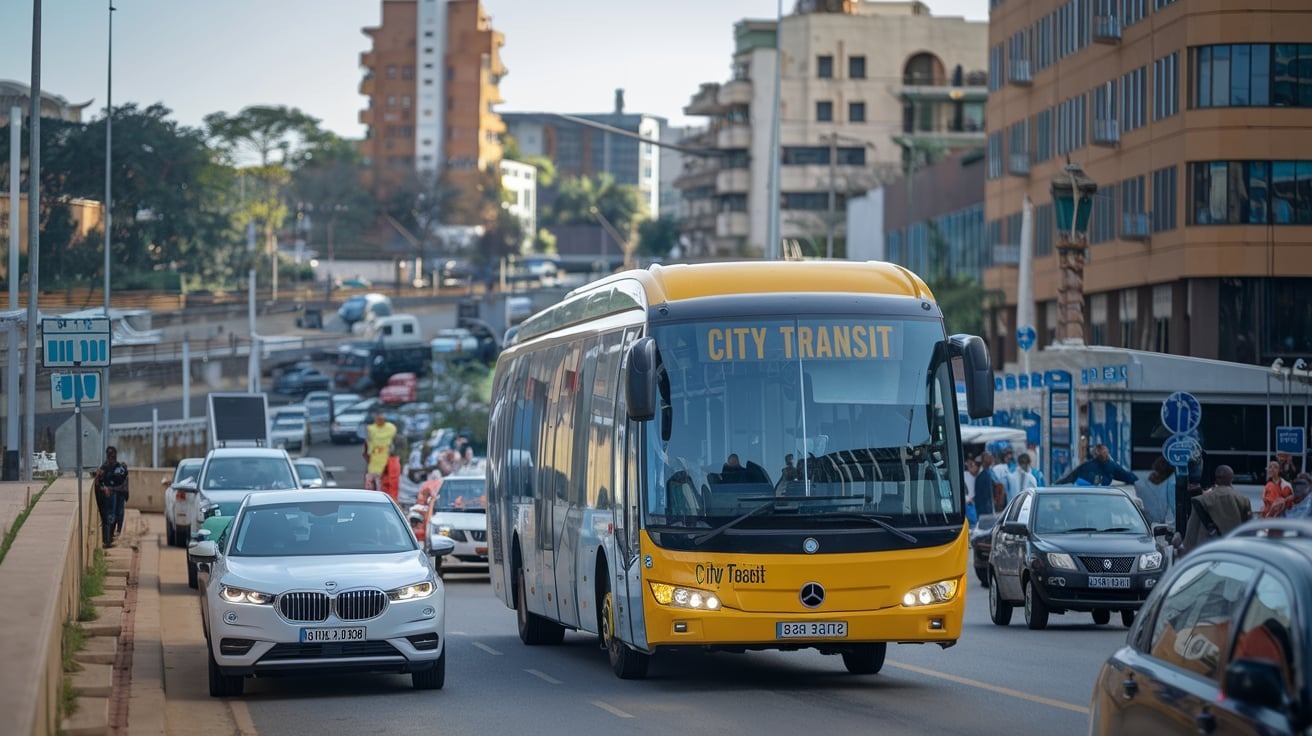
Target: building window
[
  {"x": 1162, "y": 318},
  {"x": 405, "y": 102},
  {"x": 1159, "y": 4},
  {"x": 1166, "y": 86},
  {"x": 1133, "y": 219},
  {"x": 1098, "y": 319},
  {"x": 1252, "y": 75},
  {"x": 1044, "y": 230},
  {"x": 407, "y": 72},
  {"x": 824, "y": 111},
  {"x": 1164, "y": 196},
  {"x": 1044, "y": 54},
  {"x": 1132, "y": 11},
  {"x": 1134, "y": 99},
  {"x": 1019, "y": 52},
  {"x": 856, "y": 67},
  {"x": 391, "y": 101},
  {"x": 428, "y": 34},
  {"x": 1106, "y": 125},
  {"x": 1130, "y": 319},
  {"x": 1292, "y": 76},
  {"x": 995, "y": 155},
  {"x": 824, "y": 67},
  {"x": 1042, "y": 135},
  {"x": 391, "y": 72},
  {"x": 1251, "y": 192},
  {"x": 450, "y": 74},
  {"x": 856, "y": 112},
  {"x": 1018, "y": 148},
  {"x": 1072, "y": 124},
  {"x": 1102, "y": 226},
  {"x": 813, "y": 201},
  {"x": 814, "y": 156},
  {"x": 995, "y": 68}
]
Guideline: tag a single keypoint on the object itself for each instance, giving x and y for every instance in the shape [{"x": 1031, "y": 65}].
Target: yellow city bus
[{"x": 734, "y": 456}]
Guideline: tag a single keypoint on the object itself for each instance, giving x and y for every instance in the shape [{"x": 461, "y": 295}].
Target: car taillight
[{"x": 182, "y": 496}]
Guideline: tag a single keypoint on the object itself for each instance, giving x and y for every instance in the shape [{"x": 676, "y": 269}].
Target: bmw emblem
[
  {"x": 230, "y": 617},
  {"x": 330, "y": 586},
  {"x": 810, "y": 545}
]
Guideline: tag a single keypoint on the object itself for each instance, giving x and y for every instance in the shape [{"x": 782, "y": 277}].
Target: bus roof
[{"x": 690, "y": 281}]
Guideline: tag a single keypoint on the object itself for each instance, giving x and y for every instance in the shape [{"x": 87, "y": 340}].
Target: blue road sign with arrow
[
  {"x": 1181, "y": 412},
  {"x": 1026, "y": 337}
]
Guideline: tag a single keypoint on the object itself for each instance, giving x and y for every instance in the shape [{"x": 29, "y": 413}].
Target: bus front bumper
[{"x": 730, "y": 629}]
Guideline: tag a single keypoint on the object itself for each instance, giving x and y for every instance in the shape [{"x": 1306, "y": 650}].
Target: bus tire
[
  {"x": 533, "y": 629},
  {"x": 865, "y": 659},
  {"x": 628, "y": 663}
]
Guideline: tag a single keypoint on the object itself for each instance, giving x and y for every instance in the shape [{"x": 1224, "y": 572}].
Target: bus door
[
  {"x": 551, "y": 483},
  {"x": 626, "y": 580},
  {"x": 568, "y": 499}
]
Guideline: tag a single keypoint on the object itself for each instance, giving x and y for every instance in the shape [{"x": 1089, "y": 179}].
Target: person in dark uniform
[{"x": 111, "y": 489}]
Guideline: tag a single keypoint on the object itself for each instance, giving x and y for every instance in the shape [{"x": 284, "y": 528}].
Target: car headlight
[
  {"x": 444, "y": 530},
  {"x": 412, "y": 592},
  {"x": 1061, "y": 561},
  {"x": 210, "y": 510},
  {"x": 927, "y": 595},
  {"x": 1150, "y": 561},
  {"x": 231, "y": 594},
  {"x": 681, "y": 597}
]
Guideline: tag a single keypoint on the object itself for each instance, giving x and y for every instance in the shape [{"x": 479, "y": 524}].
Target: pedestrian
[
  {"x": 1277, "y": 489},
  {"x": 390, "y": 483},
  {"x": 1023, "y": 477},
  {"x": 1157, "y": 493},
  {"x": 111, "y": 488},
  {"x": 1005, "y": 471},
  {"x": 1100, "y": 470},
  {"x": 1298, "y": 505},
  {"x": 987, "y": 489},
  {"x": 1216, "y": 512},
  {"x": 377, "y": 449},
  {"x": 970, "y": 474},
  {"x": 1288, "y": 470}
]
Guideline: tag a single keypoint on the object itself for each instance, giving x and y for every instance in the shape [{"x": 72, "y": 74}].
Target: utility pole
[
  {"x": 33, "y": 242},
  {"x": 109, "y": 218},
  {"x": 773, "y": 234},
  {"x": 833, "y": 184},
  {"x": 13, "y": 434}
]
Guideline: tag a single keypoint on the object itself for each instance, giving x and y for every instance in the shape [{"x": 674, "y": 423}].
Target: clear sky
[{"x": 198, "y": 57}]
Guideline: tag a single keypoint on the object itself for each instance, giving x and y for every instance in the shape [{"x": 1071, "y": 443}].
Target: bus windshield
[{"x": 773, "y": 423}]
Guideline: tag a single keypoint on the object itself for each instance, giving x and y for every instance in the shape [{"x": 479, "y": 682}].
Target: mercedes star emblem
[{"x": 812, "y": 595}]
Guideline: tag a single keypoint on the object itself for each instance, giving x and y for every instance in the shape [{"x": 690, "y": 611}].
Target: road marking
[
  {"x": 611, "y": 709},
  {"x": 487, "y": 649},
  {"x": 545, "y": 676},
  {"x": 242, "y": 716},
  {"x": 1083, "y": 710}
]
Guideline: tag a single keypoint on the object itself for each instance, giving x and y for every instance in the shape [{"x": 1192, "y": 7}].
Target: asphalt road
[{"x": 995, "y": 680}]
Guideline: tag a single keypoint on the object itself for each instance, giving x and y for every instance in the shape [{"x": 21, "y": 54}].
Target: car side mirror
[
  {"x": 164, "y": 482},
  {"x": 204, "y": 551},
  {"x": 1256, "y": 682},
  {"x": 441, "y": 546},
  {"x": 1016, "y": 527},
  {"x": 186, "y": 484},
  {"x": 1162, "y": 530}
]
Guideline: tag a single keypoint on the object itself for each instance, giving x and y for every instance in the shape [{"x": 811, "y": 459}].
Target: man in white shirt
[{"x": 1023, "y": 477}]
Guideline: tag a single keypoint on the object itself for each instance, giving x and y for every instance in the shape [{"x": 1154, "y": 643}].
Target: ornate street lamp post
[{"x": 1072, "y": 201}]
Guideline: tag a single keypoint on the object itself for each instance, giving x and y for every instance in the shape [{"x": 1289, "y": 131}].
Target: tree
[
  {"x": 579, "y": 196},
  {"x": 961, "y": 297},
  {"x": 656, "y": 238},
  {"x": 328, "y": 185}
]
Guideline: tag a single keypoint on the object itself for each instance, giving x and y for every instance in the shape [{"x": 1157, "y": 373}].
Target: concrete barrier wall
[
  {"x": 146, "y": 488},
  {"x": 41, "y": 571}
]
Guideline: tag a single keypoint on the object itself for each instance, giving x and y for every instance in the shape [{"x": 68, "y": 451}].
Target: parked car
[
  {"x": 364, "y": 307},
  {"x": 289, "y": 428},
  {"x": 349, "y": 420},
  {"x": 401, "y": 388},
  {"x": 339, "y": 402},
  {"x": 310, "y": 471},
  {"x": 459, "y": 512},
  {"x": 178, "y": 506},
  {"x": 418, "y": 420},
  {"x": 301, "y": 381},
  {"x": 265, "y": 608},
  {"x": 981, "y": 541},
  {"x": 229, "y": 475},
  {"x": 319, "y": 413},
  {"x": 518, "y": 309},
  {"x": 455, "y": 272},
  {"x": 1073, "y": 549},
  {"x": 1222, "y": 645}
]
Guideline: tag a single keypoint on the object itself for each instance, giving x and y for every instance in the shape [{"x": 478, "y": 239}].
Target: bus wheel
[
  {"x": 628, "y": 663},
  {"x": 865, "y": 659},
  {"x": 533, "y": 629}
]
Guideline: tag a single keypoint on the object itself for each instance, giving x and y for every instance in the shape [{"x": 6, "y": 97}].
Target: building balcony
[
  {"x": 368, "y": 59},
  {"x": 1020, "y": 72},
  {"x": 943, "y": 93},
  {"x": 700, "y": 177},
  {"x": 736, "y": 135},
  {"x": 736, "y": 92},
  {"x": 1134, "y": 226},
  {"x": 706, "y": 101},
  {"x": 366, "y": 116},
  {"x": 367, "y": 86},
  {"x": 1019, "y": 164},
  {"x": 1106, "y": 132},
  {"x": 733, "y": 181},
  {"x": 732, "y": 225},
  {"x": 942, "y": 139},
  {"x": 1106, "y": 29}
]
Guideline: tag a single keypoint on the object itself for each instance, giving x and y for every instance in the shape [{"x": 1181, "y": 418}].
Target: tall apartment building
[
  {"x": 1195, "y": 120},
  {"x": 583, "y": 150},
  {"x": 872, "y": 86},
  {"x": 432, "y": 79}
]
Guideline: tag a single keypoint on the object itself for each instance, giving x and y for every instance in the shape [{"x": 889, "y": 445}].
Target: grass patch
[
  {"x": 12, "y": 533},
  {"x": 75, "y": 637},
  {"x": 67, "y": 698},
  {"x": 93, "y": 584}
]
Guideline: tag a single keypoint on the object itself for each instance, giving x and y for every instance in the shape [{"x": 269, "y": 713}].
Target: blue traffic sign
[
  {"x": 1181, "y": 449},
  {"x": 74, "y": 389},
  {"x": 1181, "y": 412},
  {"x": 75, "y": 342},
  {"x": 1291, "y": 440},
  {"x": 1026, "y": 337}
]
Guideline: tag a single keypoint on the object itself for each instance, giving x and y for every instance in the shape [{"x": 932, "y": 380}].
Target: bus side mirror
[
  {"x": 979, "y": 374},
  {"x": 640, "y": 392}
]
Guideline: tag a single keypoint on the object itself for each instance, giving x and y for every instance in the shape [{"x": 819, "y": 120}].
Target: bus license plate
[
  {"x": 318, "y": 636},
  {"x": 810, "y": 630},
  {"x": 1103, "y": 581}
]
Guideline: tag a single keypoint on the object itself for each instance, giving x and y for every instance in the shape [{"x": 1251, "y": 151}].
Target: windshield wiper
[
  {"x": 1117, "y": 529},
  {"x": 878, "y": 521},
  {"x": 717, "y": 531},
  {"x": 1078, "y": 529}
]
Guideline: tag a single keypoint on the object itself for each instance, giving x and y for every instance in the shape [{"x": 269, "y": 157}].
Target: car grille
[
  {"x": 303, "y": 607},
  {"x": 330, "y": 649},
  {"x": 1120, "y": 565},
  {"x": 358, "y": 605},
  {"x": 478, "y": 535}
]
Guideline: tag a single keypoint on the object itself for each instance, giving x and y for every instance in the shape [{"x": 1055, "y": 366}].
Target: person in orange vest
[{"x": 391, "y": 481}]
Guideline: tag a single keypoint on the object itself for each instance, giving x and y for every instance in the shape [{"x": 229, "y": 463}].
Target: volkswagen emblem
[
  {"x": 810, "y": 545},
  {"x": 330, "y": 586},
  {"x": 1106, "y": 564},
  {"x": 812, "y": 595}
]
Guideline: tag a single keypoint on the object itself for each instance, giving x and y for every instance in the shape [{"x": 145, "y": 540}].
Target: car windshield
[
  {"x": 289, "y": 422},
  {"x": 462, "y": 494},
  {"x": 308, "y": 471},
  {"x": 249, "y": 474},
  {"x": 362, "y": 406},
  {"x": 1083, "y": 513},
  {"x": 311, "y": 528}
]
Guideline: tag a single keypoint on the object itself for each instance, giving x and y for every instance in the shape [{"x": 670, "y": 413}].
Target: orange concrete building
[
  {"x": 1195, "y": 120},
  {"x": 432, "y": 78}
]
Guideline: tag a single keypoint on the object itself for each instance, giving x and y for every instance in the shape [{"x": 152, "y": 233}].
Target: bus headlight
[
  {"x": 927, "y": 595},
  {"x": 681, "y": 597}
]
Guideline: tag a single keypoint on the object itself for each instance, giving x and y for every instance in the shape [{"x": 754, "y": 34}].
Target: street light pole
[
  {"x": 833, "y": 176},
  {"x": 33, "y": 243},
  {"x": 773, "y": 236},
  {"x": 1072, "y": 198},
  {"x": 109, "y": 216}
]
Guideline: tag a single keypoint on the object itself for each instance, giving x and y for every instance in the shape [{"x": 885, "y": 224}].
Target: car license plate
[
  {"x": 1103, "y": 581},
  {"x": 480, "y": 550},
  {"x": 810, "y": 630},
  {"x": 319, "y": 636}
]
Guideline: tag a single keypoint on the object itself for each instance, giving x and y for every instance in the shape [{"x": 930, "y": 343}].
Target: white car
[
  {"x": 178, "y": 507},
  {"x": 323, "y": 581},
  {"x": 228, "y": 476},
  {"x": 290, "y": 428},
  {"x": 459, "y": 513}
]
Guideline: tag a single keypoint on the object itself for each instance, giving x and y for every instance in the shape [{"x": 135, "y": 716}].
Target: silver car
[
  {"x": 178, "y": 506},
  {"x": 332, "y": 580}
]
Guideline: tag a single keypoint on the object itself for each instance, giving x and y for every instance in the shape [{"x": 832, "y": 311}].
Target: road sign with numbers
[{"x": 81, "y": 342}]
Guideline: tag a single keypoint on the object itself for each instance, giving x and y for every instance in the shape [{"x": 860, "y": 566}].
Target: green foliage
[
  {"x": 329, "y": 187},
  {"x": 471, "y": 385},
  {"x": 12, "y": 532},
  {"x": 260, "y": 130},
  {"x": 657, "y": 237},
  {"x": 504, "y": 238},
  {"x": 544, "y": 241},
  {"x": 581, "y": 199},
  {"x": 73, "y": 640},
  {"x": 93, "y": 584},
  {"x": 961, "y": 297}
]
